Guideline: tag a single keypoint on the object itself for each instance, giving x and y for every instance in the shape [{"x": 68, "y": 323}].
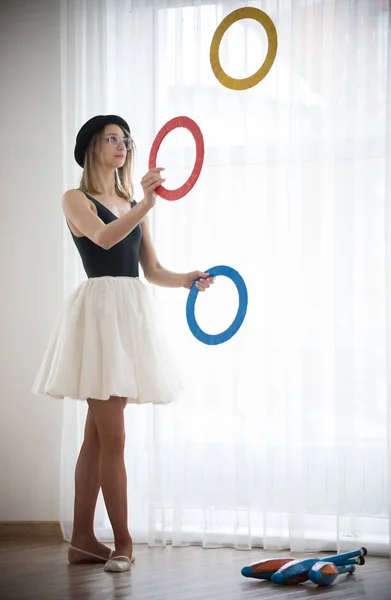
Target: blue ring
[{"x": 219, "y": 338}]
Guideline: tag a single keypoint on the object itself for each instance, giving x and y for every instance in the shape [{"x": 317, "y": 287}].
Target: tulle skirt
[{"x": 107, "y": 341}]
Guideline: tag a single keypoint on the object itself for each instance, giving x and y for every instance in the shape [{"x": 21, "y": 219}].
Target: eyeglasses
[{"x": 115, "y": 140}]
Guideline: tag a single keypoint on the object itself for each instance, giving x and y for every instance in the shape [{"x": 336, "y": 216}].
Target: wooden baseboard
[{"x": 30, "y": 529}]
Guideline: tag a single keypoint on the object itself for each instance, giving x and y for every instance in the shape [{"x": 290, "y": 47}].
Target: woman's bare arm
[
  {"x": 153, "y": 270},
  {"x": 78, "y": 212},
  {"x": 158, "y": 275}
]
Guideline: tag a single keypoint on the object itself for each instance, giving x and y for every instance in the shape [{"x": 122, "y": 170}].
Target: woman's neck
[{"x": 105, "y": 179}]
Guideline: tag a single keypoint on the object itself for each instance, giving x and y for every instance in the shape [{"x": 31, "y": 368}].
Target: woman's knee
[
  {"x": 109, "y": 421},
  {"x": 112, "y": 442}
]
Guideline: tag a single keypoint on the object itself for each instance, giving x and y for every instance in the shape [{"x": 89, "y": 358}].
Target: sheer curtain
[{"x": 281, "y": 437}]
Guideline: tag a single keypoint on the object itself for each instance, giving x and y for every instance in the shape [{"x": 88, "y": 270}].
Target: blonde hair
[{"x": 123, "y": 176}]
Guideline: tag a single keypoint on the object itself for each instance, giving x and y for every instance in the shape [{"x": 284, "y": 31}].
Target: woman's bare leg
[
  {"x": 109, "y": 420},
  {"x": 87, "y": 484}
]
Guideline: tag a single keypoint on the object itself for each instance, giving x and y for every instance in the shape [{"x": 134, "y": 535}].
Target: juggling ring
[
  {"x": 247, "y": 12},
  {"x": 189, "y": 124},
  {"x": 219, "y": 338}
]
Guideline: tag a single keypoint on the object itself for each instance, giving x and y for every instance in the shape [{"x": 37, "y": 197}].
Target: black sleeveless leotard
[{"x": 122, "y": 260}]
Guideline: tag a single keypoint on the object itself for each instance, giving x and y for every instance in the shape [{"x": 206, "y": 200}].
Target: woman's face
[{"x": 111, "y": 149}]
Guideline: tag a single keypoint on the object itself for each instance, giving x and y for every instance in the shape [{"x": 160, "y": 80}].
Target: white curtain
[{"x": 281, "y": 437}]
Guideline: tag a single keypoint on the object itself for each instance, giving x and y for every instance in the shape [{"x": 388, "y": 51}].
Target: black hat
[{"x": 89, "y": 128}]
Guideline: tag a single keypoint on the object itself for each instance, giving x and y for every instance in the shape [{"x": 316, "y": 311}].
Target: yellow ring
[{"x": 247, "y": 12}]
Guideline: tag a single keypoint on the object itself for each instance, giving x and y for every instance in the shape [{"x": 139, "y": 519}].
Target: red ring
[{"x": 192, "y": 126}]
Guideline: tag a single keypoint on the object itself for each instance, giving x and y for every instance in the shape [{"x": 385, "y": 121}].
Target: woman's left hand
[{"x": 205, "y": 280}]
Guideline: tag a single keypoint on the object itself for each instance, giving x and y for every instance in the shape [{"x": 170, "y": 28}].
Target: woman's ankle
[
  {"x": 123, "y": 541},
  {"x": 83, "y": 537}
]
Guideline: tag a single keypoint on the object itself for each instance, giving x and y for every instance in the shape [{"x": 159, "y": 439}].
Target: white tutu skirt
[{"x": 107, "y": 342}]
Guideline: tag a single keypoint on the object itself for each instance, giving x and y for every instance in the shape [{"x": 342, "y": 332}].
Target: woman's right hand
[{"x": 149, "y": 183}]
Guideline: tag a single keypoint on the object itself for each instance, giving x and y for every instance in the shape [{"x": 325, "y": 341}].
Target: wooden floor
[{"x": 39, "y": 570}]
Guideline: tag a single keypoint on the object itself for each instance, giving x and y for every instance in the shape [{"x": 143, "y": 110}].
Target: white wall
[{"x": 31, "y": 239}]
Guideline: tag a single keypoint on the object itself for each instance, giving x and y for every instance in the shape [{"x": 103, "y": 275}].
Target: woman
[{"x": 106, "y": 346}]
